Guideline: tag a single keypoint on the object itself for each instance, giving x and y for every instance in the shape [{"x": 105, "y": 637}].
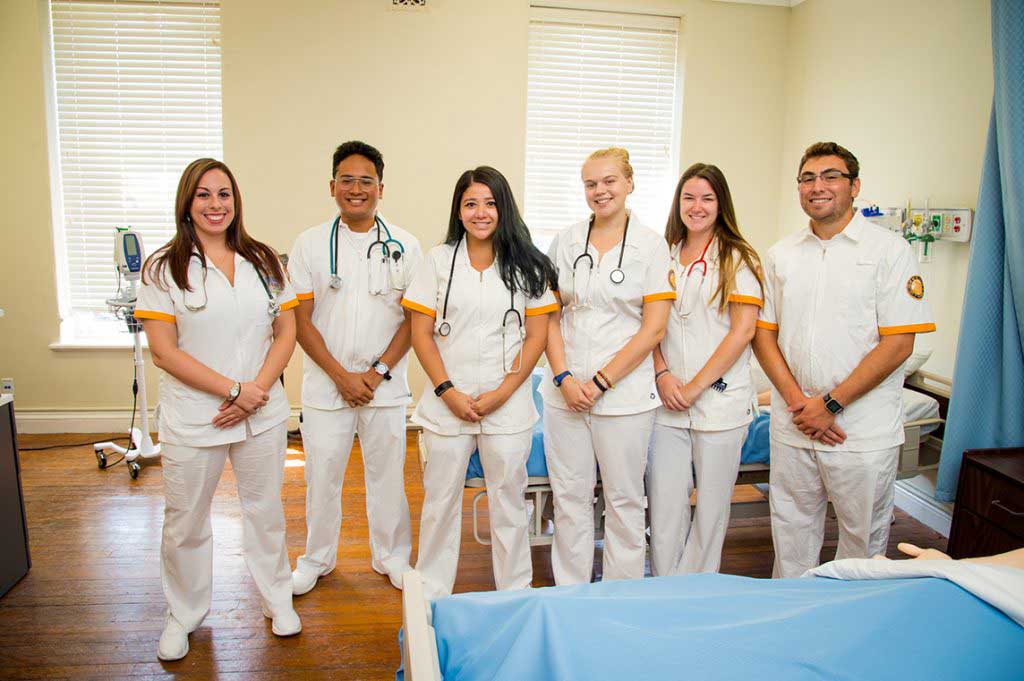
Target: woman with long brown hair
[
  {"x": 703, "y": 375},
  {"x": 217, "y": 310}
]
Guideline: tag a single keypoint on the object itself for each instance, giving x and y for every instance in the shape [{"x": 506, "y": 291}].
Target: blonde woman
[
  {"x": 703, "y": 375},
  {"x": 599, "y": 397}
]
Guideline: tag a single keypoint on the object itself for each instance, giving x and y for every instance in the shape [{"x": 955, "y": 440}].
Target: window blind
[
  {"x": 138, "y": 96},
  {"x": 599, "y": 79}
]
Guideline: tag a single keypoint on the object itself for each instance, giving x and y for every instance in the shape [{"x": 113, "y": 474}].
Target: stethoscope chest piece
[
  {"x": 274, "y": 309},
  {"x": 335, "y": 282},
  {"x": 444, "y": 329},
  {"x": 617, "y": 276}
]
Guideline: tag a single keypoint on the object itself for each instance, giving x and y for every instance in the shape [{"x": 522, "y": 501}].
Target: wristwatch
[
  {"x": 382, "y": 369},
  {"x": 557, "y": 380},
  {"x": 235, "y": 391},
  {"x": 832, "y": 404}
]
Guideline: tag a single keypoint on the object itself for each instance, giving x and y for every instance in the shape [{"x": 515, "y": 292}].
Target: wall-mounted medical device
[{"x": 924, "y": 226}]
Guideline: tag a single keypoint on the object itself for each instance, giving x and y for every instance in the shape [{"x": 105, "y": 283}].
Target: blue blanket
[{"x": 711, "y": 626}]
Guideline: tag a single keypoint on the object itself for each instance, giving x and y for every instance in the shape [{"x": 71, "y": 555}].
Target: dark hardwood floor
[{"x": 91, "y": 606}]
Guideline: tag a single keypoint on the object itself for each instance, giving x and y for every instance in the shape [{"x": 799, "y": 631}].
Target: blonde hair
[{"x": 617, "y": 154}]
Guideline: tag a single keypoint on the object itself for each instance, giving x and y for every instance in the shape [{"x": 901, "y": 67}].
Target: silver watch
[
  {"x": 235, "y": 391},
  {"x": 382, "y": 369}
]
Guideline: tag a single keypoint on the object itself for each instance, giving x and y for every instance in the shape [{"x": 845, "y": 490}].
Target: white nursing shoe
[
  {"x": 303, "y": 581},
  {"x": 285, "y": 623},
  {"x": 173, "y": 641}
]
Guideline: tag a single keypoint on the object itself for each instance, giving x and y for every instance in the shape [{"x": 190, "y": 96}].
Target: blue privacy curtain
[{"x": 987, "y": 407}]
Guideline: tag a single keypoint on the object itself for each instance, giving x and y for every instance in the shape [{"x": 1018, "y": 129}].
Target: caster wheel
[
  {"x": 133, "y": 470},
  {"x": 101, "y": 460}
]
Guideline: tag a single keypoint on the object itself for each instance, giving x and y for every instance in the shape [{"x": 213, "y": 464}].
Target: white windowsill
[{"x": 94, "y": 331}]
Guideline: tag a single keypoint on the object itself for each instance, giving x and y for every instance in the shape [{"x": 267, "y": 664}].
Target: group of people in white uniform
[{"x": 648, "y": 343}]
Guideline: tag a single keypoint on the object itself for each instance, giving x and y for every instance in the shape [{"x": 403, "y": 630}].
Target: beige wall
[
  {"x": 437, "y": 91},
  {"x": 444, "y": 90},
  {"x": 907, "y": 87}
]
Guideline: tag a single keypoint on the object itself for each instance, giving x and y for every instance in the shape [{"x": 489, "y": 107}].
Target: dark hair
[
  {"x": 357, "y": 148},
  {"x": 726, "y": 229},
  {"x": 177, "y": 252},
  {"x": 832, "y": 149},
  {"x": 520, "y": 263}
]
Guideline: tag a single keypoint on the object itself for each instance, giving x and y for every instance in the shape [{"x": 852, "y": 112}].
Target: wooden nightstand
[{"x": 988, "y": 516}]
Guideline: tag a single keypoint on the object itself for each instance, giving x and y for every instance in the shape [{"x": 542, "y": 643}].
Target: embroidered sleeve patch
[
  {"x": 672, "y": 279},
  {"x": 915, "y": 287}
]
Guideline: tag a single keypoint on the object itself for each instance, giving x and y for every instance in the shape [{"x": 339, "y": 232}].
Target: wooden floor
[{"x": 91, "y": 606}]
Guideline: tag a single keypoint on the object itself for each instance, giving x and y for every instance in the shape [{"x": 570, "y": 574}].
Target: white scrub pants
[
  {"x": 504, "y": 462},
  {"x": 677, "y": 545},
  {"x": 574, "y": 442},
  {"x": 327, "y": 440},
  {"x": 190, "y": 477},
  {"x": 802, "y": 481}
]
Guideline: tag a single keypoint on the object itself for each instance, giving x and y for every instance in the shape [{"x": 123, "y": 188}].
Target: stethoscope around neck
[
  {"x": 617, "y": 276},
  {"x": 389, "y": 248},
  {"x": 273, "y": 307},
  {"x": 688, "y": 293},
  {"x": 508, "y": 341}
]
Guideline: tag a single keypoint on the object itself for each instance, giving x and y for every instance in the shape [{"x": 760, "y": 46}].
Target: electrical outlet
[{"x": 7, "y": 386}]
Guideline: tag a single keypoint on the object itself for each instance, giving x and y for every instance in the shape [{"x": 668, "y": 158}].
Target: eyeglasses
[
  {"x": 347, "y": 182},
  {"x": 828, "y": 177}
]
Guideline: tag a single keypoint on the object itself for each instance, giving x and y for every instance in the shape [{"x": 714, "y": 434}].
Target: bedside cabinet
[{"x": 988, "y": 516}]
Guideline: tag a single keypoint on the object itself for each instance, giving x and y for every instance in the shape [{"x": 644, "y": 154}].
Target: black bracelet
[
  {"x": 660, "y": 374},
  {"x": 598, "y": 383},
  {"x": 442, "y": 388}
]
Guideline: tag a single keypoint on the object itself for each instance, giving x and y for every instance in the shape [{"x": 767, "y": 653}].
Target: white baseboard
[
  {"x": 36, "y": 422},
  {"x": 924, "y": 508}
]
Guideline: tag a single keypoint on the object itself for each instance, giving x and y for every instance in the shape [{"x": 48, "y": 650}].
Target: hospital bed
[
  {"x": 920, "y": 452},
  {"x": 861, "y": 619}
]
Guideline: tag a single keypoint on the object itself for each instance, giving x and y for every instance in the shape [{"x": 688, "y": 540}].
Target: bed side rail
[{"x": 419, "y": 647}]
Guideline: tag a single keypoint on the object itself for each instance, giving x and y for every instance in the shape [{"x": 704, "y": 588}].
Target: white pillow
[{"x": 916, "y": 361}]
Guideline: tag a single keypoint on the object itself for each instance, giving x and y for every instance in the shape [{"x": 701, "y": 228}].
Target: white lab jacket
[
  {"x": 232, "y": 336},
  {"x": 357, "y": 326},
  {"x": 831, "y": 302},
  {"x": 690, "y": 341},
  {"x": 472, "y": 353},
  {"x": 593, "y": 334}
]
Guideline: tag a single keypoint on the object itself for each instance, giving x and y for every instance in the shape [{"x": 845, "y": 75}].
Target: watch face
[
  {"x": 833, "y": 406},
  {"x": 380, "y": 368}
]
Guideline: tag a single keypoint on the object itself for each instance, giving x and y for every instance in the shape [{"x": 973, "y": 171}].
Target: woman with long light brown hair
[
  {"x": 702, "y": 371},
  {"x": 217, "y": 310}
]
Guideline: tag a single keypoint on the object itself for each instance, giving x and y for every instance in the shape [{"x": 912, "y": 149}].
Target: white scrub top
[
  {"x": 831, "y": 302},
  {"x": 472, "y": 352},
  {"x": 232, "y": 336},
  {"x": 593, "y": 334},
  {"x": 357, "y": 326},
  {"x": 690, "y": 341}
]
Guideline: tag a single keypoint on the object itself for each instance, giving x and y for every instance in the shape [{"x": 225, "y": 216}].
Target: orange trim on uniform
[
  {"x": 910, "y": 328},
  {"x": 150, "y": 314},
  {"x": 294, "y": 302},
  {"x": 665, "y": 295},
  {"x": 558, "y": 296},
  {"x": 534, "y": 311},
  {"x": 767, "y": 325},
  {"x": 304, "y": 296},
  {"x": 416, "y": 307},
  {"x": 746, "y": 300}
]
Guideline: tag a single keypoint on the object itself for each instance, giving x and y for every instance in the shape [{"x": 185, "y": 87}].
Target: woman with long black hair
[
  {"x": 481, "y": 301},
  {"x": 217, "y": 310}
]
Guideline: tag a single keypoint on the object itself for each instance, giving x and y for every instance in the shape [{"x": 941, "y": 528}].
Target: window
[
  {"x": 599, "y": 79},
  {"x": 136, "y": 97}
]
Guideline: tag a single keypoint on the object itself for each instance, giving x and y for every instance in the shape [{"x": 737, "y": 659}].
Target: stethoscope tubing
[{"x": 445, "y": 327}]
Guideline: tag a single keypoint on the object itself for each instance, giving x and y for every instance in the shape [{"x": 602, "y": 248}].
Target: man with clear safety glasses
[
  {"x": 349, "y": 274},
  {"x": 843, "y": 302}
]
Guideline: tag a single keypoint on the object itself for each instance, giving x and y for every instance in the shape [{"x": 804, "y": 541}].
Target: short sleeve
[
  {"x": 545, "y": 304},
  {"x": 154, "y": 302},
  {"x": 421, "y": 294},
  {"x": 768, "y": 317},
  {"x": 286, "y": 295},
  {"x": 901, "y": 303},
  {"x": 413, "y": 258},
  {"x": 745, "y": 288},
  {"x": 660, "y": 282},
  {"x": 299, "y": 269}
]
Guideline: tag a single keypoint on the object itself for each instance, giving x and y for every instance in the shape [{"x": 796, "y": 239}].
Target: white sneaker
[
  {"x": 285, "y": 623},
  {"x": 396, "y": 576},
  {"x": 303, "y": 581},
  {"x": 173, "y": 641}
]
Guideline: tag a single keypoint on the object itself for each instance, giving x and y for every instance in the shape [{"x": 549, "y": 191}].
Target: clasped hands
[
  {"x": 578, "y": 396},
  {"x": 357, "y": 389},
  {"x": 815, "y": 421},
  {"x": 473, "y": 409},
  {"x": 250, "y": 400},
  {"x": 676, "y": 395}
]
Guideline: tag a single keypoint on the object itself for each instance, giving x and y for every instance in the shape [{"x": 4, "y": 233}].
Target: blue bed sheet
[
  {"x": 757, "y": 446},
  {"x": 711, "y": 626}
]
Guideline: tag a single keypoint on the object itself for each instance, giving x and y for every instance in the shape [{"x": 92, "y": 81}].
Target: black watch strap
[
  {"x": 442, "y": 388},
  {"x": 832, "y": 404}
]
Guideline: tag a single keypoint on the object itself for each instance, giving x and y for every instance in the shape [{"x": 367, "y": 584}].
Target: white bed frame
[{"x": 419, "y": 645}]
